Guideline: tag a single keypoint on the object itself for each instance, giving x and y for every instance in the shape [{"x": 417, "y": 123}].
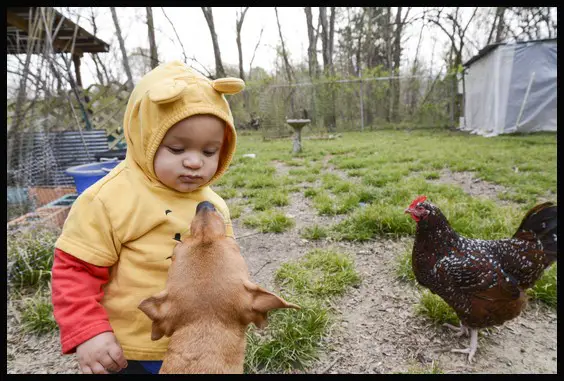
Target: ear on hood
[
  {"x": 262, "y": 302},
  {"x": 156, "y": 308}
]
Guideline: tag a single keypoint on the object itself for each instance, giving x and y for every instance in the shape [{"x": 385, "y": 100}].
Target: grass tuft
[
  {"x": 546, "y": 288},
  {"x": 320, "y": 273},
  {"x": 293, "y": 338},
  {"x": 37, "y": 314},
  {"x": 269, "y": 221},
  {"x": 314, "y": 232},
  {"x": 436, "y": 309},
  {"x": 30, "y": 257}
]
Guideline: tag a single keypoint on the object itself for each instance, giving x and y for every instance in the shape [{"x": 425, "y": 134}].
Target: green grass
[
  {"x": 293, "y": 338},
  {"x": 545, "y": 289},
  {"x": 404, "y": 269},
  {"x": 266, "y": 199},
  {"x": 314, "y": 232},
  {"x": 235, "y": 209},
  {"x": 311, "y": 192},
  {"x": 30, "y": 257},
  {"x": 228, "y": 193},
  {"x": 436, "y": 309},
  {"x": 37, "y": 314},
  {"x": 321, "y": 274},
  {"x": 269, "y": 221},
  {"x": 291, "y": 341}
]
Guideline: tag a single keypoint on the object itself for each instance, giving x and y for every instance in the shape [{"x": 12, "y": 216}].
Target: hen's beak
[{"x": 408, "y": 210}]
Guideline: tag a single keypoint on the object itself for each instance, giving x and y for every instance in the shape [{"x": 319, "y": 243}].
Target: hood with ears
[{"x": 166, "y": 95}]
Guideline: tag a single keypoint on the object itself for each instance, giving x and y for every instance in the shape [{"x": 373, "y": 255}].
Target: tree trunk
[
  {"x": 324, "y": 38},
  {"x": 396, "y": 63},
  {"x": 500, "y": 24},
  {"x": 289, "y": 72},
  {"x": 255, "y": 52},
  {"x": 327, "y": 29},
  {"x": 94, "y": 55},
  {"x": 152, "y": 43},
  {"x": 312, "y": 47},
  {"x": 239, "y": 24},
  {"x": 125, "y": 62},
  {"x": 388, "y": 39},
  {"x": 414, "y": 87},
  {"x": 219, "y": 71},
  {"x": 284, "y": 54},
  {"x": 331, "y": 38}
]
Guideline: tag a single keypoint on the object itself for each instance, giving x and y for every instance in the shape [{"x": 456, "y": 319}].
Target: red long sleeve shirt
[{"x": 76, "y": 295}]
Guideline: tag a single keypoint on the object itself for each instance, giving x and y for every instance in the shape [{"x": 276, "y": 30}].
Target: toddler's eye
[
  {"x": 175, "y": 150},
  {"x": 209, "y": 153}
]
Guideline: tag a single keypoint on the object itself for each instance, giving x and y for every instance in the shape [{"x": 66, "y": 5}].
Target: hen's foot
[
  {"x": 462, "y": 330},
  {"x": 471, "y": 350}
]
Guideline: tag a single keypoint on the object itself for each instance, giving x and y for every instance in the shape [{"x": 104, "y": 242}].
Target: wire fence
[{"x": 349, "y": 105}]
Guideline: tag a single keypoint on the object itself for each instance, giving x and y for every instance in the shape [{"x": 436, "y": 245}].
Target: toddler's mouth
[{"x": 189, "y": 178}]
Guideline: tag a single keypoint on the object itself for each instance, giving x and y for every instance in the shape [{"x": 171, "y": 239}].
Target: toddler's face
[{"x": 189, "y": 152}]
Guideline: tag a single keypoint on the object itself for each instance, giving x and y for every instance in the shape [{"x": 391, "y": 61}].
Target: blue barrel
[{"x": 87, "y": 174}]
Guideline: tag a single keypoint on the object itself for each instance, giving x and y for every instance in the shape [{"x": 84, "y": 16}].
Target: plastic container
[
  {"x": 87, "y": 174},
  {"x": 111, "y": 154}
]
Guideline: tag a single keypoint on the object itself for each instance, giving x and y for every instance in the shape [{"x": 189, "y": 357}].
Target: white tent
[{"x": 511, "y": 88}]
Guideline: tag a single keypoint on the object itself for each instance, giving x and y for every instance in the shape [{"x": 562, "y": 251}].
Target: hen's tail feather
[{"x": 542, "y": 221}]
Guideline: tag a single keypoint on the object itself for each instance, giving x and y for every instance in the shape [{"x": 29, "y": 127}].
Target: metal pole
[
  {"x": 361, "y": 101},
  {"x": 525, "y": 100}
]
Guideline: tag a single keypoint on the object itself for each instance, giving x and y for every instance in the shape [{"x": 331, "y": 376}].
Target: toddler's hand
[{"x": 101, "y": 354}]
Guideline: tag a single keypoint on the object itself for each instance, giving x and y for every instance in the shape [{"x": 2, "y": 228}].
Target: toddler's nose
[{"x": 192, "y": 161}]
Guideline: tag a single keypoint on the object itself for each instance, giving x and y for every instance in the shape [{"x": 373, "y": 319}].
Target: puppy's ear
[
  {"x": 156, "y": 308},
  {"x": 263, "y": 301}
]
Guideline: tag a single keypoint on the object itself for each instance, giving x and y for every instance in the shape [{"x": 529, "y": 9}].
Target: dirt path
[{"x": 377, "y": 330}]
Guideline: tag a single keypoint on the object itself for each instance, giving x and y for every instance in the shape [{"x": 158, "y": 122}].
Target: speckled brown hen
[{"x": 484, "y": 281}]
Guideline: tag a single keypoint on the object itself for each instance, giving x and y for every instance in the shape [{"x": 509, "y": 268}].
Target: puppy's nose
[{"x": 205, "y": 205}]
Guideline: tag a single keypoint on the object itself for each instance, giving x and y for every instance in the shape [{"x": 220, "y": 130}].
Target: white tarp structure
[{"x": 511, "y": 88}]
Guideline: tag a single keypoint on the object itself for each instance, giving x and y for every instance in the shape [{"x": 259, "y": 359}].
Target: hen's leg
[
  {"x": 462, "y": 330},
  {"x": 473, "y": 345}
]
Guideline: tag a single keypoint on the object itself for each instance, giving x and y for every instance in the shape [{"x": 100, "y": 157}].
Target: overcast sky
[{"x": 192, "y": 28}]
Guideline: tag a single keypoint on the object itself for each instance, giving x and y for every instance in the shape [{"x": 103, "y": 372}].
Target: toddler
[{"x": 114, "y": 248}]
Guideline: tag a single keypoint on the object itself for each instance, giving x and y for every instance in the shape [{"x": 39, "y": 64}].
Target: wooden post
[{"x": 76, "y": 62}]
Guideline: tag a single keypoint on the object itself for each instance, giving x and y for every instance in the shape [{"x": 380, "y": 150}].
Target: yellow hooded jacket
[{"x": 128, "y": 220}]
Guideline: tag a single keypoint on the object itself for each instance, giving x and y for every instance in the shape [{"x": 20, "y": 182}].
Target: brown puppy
[{"x": 208, "y": 302}]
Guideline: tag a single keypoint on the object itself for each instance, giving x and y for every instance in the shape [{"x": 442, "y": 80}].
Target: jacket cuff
[{"x": 74, "y": 339}]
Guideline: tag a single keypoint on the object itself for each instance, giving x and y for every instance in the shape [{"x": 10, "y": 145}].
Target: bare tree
[
  {"x": 327, "y": 32},
  {"x": 239, "y": 24},
  {"x": 457, "y": 36},
  {"x": 177, "y": 36},
  {"x": 498, "y": 26},
  {"x": 287, "y": 66},
  {"x": 533, "y": 23},
  {"x": 327, "y": 36},
  {"x": 255, "y": 52},
  {"x": 123, "y": 51},
  {"x": 100, "y": 67},
  {"x": 396, "y": 58},
  {"x": 312, "y": 46},
  {"x": 152, "y": 43},
  {"x": 289, "y": 71},
  {"x": 219, "y": 71}
]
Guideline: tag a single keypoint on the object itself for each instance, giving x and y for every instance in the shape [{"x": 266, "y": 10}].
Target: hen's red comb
[{"x": 417, "y": 201}]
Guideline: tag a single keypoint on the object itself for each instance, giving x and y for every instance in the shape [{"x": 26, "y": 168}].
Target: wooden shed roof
[{"x": 20, "y": 19}]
